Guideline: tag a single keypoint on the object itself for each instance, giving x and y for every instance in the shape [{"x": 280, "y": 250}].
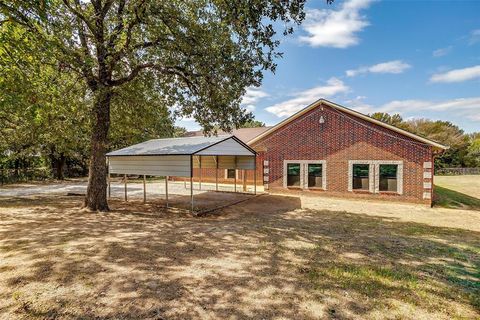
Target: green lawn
[{"x": 458, "y": 192}]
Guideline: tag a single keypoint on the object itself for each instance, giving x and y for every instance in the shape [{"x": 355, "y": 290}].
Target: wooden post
[
  {"x": 125, "y": 177},
  {"x": 144, "y": 189},
  {"x": 166, "y": 189},
  {"x": 109, "y": 187},
  {"x": 216, "y": 174}
]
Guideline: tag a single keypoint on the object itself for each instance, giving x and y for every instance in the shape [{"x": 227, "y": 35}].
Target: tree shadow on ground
[
  {"x": 266, "y": 258},
  {"x": 452, "y": 199}
]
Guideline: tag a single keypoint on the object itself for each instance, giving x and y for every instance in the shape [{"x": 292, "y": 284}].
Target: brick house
[{"x": 332, "y": 150}]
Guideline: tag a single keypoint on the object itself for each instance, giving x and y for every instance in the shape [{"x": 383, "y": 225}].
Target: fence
[{"x": 456, "y": 171}]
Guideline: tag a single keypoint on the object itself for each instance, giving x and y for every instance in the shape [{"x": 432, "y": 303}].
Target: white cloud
[
  {"x": 446, "y": 105},
  {"x": 252, "y": 96},
  {"x": 457, "y": 75},
  {"x": 442, "y": 52},
  {"x": 335, "y": 28},
  {"x": 395, "y": 66},
  {"x": 474, "y": 37},
  {"x": 466, "y": 107},
  {"x": 304, "y": 98}
]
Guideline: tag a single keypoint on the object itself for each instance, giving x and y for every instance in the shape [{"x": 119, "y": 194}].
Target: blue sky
[{"x": 417, "y": 58}]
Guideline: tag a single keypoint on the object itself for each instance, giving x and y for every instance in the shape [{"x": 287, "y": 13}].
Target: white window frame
[
  {"x": 304, "y": 172},
  {"x": 374, "y": 174}
]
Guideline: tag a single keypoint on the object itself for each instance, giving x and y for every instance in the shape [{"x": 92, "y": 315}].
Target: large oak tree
[{"x": 201, "y": 54}]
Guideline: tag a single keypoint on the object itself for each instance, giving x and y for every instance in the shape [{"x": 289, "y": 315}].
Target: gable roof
[
  {"x": 178, "y": 146},
  {"x": 244, "y": 134},
  {"x": 351, "y": 112}
]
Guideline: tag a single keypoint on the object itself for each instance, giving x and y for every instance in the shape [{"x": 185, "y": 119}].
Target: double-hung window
[
  {"x": 230, "y": 173},
  {"x": 315, "y": 174},
  {"x": 361, "y": 177},
  {"x": 388, "y": 177},
  {"x": 293, "y": 174}
]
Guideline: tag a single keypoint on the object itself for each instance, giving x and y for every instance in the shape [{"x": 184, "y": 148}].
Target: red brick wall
[
  {"x": 341, "y": 138},
  {"x": 208, "y": 175}
]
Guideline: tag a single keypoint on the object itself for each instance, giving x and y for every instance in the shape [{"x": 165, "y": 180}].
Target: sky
[{"x": 420, "y": 59}]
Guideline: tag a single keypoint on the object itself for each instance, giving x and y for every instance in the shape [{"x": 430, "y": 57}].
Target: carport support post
[
  {"x": 255, "y": 175},
  {"x": 166, "y": 189},
  {"x": 191, "y": 184},
  {"x": 144, "y": 189},
  {"x": 244, "y": 177},
  {"x": 235, "y": 175},
  {"x": 200, "y": 170},
  {"x": 216, "y": 173},
  {"x": 125, "y": 178},
  {"x": 109, "y": 188}
]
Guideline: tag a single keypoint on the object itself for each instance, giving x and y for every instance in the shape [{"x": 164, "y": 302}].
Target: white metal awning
[{"x": 178, "y": 156}]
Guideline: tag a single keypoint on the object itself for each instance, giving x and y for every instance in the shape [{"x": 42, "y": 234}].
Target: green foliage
[
  {"x": 252, "y": 124},
  {"x": 202, "y": 54},
  {"x": 464, "y": 149},
  {"x": 394, "y": 120},
  {"x": 44, "y": 112}
]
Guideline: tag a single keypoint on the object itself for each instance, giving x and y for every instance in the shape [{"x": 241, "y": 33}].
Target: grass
[
  {"x": 457, "y": 192},
  {"x": 452, "y": 199},
  {"x": 272, "y": 257},
  {"x": 268, "y": 258}
]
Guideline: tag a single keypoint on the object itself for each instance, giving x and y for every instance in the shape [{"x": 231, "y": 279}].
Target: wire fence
[{"x": 457, "y": 171}]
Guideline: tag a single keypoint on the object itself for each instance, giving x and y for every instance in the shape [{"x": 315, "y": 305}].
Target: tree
[
  {"x": 42, "y": 113},
  {"x": 445, "y": 133},
  {"x": 202, "y": 55},
  {"x": 473, "y": 150},
  {"x": 252, "y": 124},
  {"x": 394, "y": 120}
]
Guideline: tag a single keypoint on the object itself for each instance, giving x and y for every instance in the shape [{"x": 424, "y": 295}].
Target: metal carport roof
[
  {"x": 175, "y": 157},
  {"x": 181, "y": 146}
]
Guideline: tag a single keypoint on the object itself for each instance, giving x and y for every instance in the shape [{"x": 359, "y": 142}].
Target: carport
[{"x": 177, "y": 157}]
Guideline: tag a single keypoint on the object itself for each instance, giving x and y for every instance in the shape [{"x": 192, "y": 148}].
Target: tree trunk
[
  {"x": 96, "y": 198},
  {"x": 60, "y": 164}
]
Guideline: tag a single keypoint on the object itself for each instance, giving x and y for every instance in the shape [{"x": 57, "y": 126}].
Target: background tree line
[{"x": 464, "y": 147}]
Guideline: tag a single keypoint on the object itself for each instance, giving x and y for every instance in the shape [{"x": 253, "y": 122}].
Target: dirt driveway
[{"x": 272, "y": 257}]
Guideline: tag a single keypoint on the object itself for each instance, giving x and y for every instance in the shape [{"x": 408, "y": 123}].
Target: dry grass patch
[{"x": 267, "y": 258}]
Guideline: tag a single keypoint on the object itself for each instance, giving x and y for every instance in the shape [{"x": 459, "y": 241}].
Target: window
[
  {"x": 230, "y": 173},
  {"x": 293, "y": 174},
  {"x": 361, "y": 177},
  {"x": 314, "y": 175},
  {"x": 375, "y": 176},
  {"x": 388, "y": 177},
  {"x": 305, "y": 174}
]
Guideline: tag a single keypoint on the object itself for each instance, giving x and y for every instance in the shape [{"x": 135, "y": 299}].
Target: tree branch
[
  {"x": 120, "y": 25},
  {"x": 79, "y": 15},
  {"x": 116, "y": 56},
  {"x": 172, "y": 70}
]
